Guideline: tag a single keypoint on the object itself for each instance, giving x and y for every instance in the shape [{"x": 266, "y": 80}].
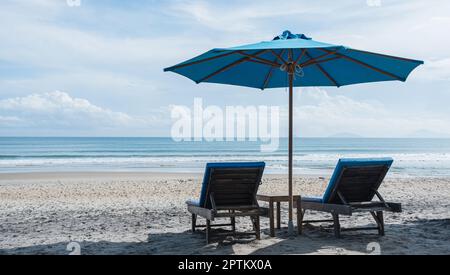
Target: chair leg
[
  {"x": 257, "y": 228},
  {"x": 208, "y": 231},
  {"x": 378, "y": 217},
  {"x": 194, "y": 222},
  {"x": 300, "y": 215},
  {"x": 233, "y": 223},
  {"x": 278, "y": 215},
  {"x": 381, "y": 218},
  {"x": 271, "y": 219},
  {"x": 337, "y": 226}
]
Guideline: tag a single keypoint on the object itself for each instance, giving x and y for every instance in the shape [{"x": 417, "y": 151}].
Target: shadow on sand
[
  {"x": 400, "y": 238},
  {"x": 415, "y": 237}
]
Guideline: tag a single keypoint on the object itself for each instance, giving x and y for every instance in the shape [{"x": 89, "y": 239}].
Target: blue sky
[{"x": 96, "y": 69}]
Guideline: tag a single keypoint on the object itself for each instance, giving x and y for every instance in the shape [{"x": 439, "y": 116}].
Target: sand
[{"x": 143, "y": 213}]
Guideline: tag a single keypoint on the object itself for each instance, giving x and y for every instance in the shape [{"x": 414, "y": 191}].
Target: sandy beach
[{"x": 145, "y": 213}]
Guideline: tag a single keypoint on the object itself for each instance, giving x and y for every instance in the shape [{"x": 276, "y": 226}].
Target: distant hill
[{"x": 427, "y": 134}]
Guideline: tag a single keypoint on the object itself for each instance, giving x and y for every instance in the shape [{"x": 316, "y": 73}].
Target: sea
[{"x": 312, "y": 156}]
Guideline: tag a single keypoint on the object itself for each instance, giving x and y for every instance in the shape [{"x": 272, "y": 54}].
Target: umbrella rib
[
  {"x": 269, "y": 75},
  {"x": 198, "y": 61},
  {"x": 263, "y": 63},
  {"x": 314, "y": 60},
  {"x": 389, "y": 56},
  {"x": 262, "y": 60},
  {"x": 369, "y": 66},
  {"x": 279, "y": 57},
  {"x": 321, "y": 61},
  {"x": 300, "y": 56},
  {"x": 290, "y": 55},
  {"x": 228, "y": 67},
  {"x": 324, "y": 72}
]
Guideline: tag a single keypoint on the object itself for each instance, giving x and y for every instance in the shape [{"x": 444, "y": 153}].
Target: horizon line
[{"x": 246, "y": 139}]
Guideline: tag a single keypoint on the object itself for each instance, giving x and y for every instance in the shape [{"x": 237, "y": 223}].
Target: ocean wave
[
  {"x": 404, "y": 163},
  {"x": 4, "y": 159}
]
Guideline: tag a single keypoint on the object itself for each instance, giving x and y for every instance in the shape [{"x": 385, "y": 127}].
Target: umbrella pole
[{"x": 291, "y": 201}]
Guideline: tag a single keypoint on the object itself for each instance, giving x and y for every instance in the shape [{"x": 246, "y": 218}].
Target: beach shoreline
[
  {"x": 145, "y": 213},
  {"x": 124, "y": 175}
]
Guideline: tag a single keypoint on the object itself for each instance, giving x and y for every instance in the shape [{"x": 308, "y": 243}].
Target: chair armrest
[
  {"x": 325, "y": 207},
  {"x": 202, "y": 212},
  {"x": 193, "y": 202}
]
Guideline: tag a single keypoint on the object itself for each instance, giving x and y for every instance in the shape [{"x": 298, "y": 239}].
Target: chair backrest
[
  {"x": 356, "y": 179},
  {"x": 233, "y": 184}
]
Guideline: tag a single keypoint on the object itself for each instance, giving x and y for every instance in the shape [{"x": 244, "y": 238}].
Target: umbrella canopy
[
  {"x": 263, "y": 65},
  {"x": 293, "y": 60}
]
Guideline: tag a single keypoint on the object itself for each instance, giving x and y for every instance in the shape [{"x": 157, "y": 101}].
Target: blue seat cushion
[{"x": 352, "y": 162}]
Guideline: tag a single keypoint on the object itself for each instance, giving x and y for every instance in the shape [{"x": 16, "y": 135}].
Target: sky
[{"x": 96, "y": 69}]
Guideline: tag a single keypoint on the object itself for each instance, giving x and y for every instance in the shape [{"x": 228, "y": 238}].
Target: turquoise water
[{"x": 426, "y": 157}]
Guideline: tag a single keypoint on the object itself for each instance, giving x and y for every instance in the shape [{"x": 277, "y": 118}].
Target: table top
[{"x": 275, "y": 198}]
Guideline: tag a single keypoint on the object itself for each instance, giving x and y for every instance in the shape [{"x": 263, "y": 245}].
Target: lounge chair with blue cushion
[
  {"x": 228, "y": 191},
  {"x": 351, "y": 189}
]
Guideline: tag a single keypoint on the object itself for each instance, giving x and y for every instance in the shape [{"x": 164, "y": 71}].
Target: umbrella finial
[{"x": 288, "y": 35}]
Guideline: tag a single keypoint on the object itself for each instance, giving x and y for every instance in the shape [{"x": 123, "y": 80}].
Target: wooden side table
[{"x": 278, "y": 199}]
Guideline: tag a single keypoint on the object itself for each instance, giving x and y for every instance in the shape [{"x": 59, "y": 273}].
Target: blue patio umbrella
[{"x": 293, "y": 60}]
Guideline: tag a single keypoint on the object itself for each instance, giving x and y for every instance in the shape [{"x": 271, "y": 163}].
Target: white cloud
[
  {"x": 53, "y": 110},
  {"x": 317, "y": 113},
  {"x": 241, "y": 17},
  {"x": 55, "y": 47},
  {"x": 321, "y": 114},
  {"x": 435, "y": 70},
  {"x": 39, "y": 36},
  {"x": 60, "y": 108},
  {"x": 9, "y": 121},
  {"x": 407, "y": 28}
]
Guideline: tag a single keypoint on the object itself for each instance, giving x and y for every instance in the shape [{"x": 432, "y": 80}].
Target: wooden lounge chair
[
  {"x": 351, "y": 189},
  {"x": 228, "y": 191}
]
